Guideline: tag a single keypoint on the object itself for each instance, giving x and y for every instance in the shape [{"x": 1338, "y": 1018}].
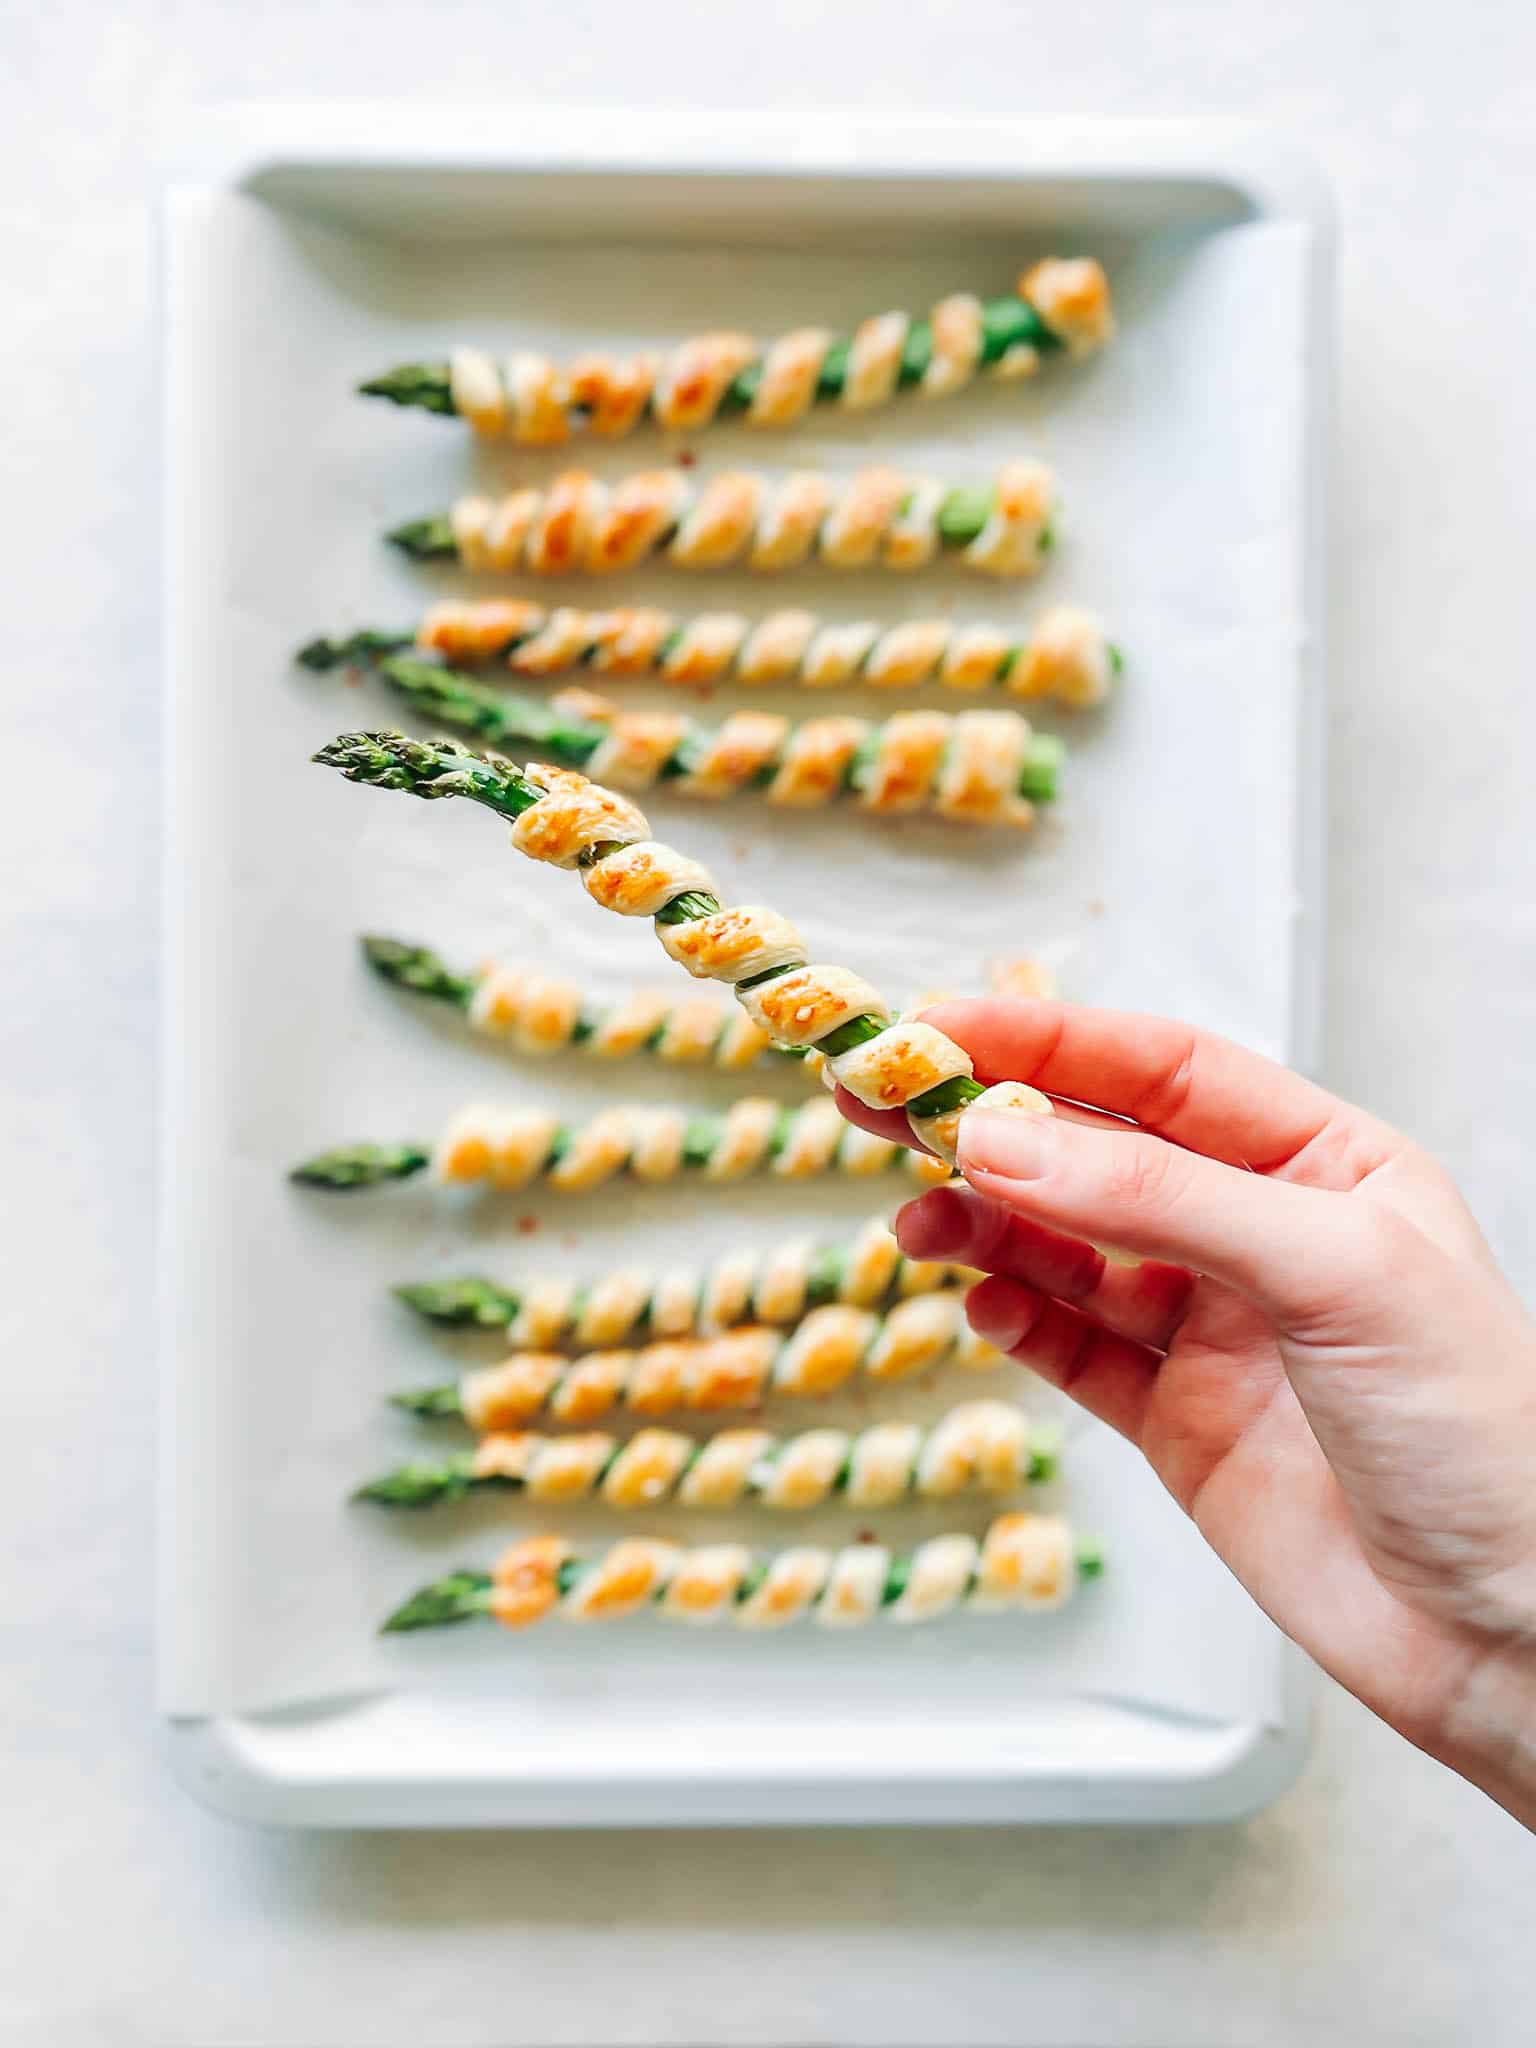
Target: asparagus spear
[
  {"x": 1066, "y": 655},
  {"x": 1024, "y": 1562},
  {"x": 777, "y": 1286},
  {"x": 1058, "y": 305},
  {"x": 544, "y": 1013},
  {"x": 605, "y": 838},
  {"x": 896, "y": 763},
  {"x": 876, "y": 517},
  {"x": 978, "y": 1447},
  {"x": 514, "y": 1148},
  {"x": 727, "y": 1369}
]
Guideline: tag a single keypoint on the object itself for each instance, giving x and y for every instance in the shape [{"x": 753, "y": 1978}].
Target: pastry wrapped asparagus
[
  {"x": 538, "y": 1013},
  {"x": 545, "y": 1013},
  {"x": 1061, "y": 304},
  {"x": 1065, "y": 655},
  {"x": 512, "y": 1148},
  {"x": 868, "y": 1270},
  {"x": 876, "y": 518},
  {"x": 563, "y": 819},
  {"x": 728, "y": 1369},
  {"x": 970, "y": 767},
  {"x": 1024, "y": 1562},
  {"x": 986, "y": 1447}
]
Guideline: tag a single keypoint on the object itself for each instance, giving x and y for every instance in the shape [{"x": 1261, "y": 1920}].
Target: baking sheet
[{"x": 1163, "y": 880}]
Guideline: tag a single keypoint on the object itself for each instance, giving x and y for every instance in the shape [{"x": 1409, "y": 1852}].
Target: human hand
[{"x": 1317, "y": 1354}]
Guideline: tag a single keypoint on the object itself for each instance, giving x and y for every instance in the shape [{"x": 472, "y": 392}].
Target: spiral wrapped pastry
[
  {"x": 1062, "y": 303},
  {"x": 563, "y": 819},
  {"x": 1024, "y": 1563},
  {"x": 986, "y": 1447},
  {"x": 876, "y": 518},
  {"x": 867, "y": 1270},
  {"x": 734, "y": 1368},
  {"x": 1066, "y": 655},
  {"x": 512, "y": 1148},
  {"x": 971, "y": 767},
  {"x": 537, "y": 1013}
]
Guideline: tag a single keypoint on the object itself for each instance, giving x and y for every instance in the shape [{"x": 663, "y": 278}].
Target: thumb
[{"x": 1290, "y": 1249}]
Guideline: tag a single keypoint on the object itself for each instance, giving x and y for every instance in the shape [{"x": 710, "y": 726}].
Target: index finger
[{"x": 1200, "y": 1091}]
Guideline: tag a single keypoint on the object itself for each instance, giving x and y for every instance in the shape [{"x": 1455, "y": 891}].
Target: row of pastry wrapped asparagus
[
  {"x": 1061, "y": 305},
  {"x": 986, "y": 767},
  {"x": 1023, "y": 1560},
  {"x": 536, "y": 1012}
]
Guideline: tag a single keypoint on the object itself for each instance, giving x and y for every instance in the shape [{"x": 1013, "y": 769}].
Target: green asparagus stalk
[
  {"x": 724, "y": 1145},
  {"x": 546, "y": 1014},
  {"x": 541, "y": 1577},
  {"x": 1057, "y": 305},
  {"x": 775, "y": 1287},
  {"x": 734, "y": 1368},
  {"x": 979, "y": 1447},
  {"x": 1065, "y": 655},
  {"x": 442, "y": 769},
  {"x": 961, "y": 516},
  {"x": 560, "y": 733}
]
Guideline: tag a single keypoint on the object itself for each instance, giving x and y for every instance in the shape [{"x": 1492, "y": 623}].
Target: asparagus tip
[
  {"x": 320, "y": 655},
  {"x": 457, "y": 1597},
  {"x": 435, "y": 1400},
  {"x": 424, "y": 540},
  {"x": 359, "y": 1166},
  {"x": 426, "y": 385}
]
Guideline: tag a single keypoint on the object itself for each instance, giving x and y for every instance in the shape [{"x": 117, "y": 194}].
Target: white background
[{"x": 1380, "y": 1901}]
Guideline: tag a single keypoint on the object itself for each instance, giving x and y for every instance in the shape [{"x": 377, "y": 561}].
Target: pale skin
[{"x": 1316, "y": 1353}]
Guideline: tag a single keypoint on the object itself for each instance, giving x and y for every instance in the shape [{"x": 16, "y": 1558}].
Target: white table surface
[{"x": 1381, "y": 1901}]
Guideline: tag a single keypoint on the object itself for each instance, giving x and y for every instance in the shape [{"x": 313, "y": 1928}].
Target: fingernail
[
  {"x": 1020, "y": 1143},
  {"x": 1001, "y": 1312}
]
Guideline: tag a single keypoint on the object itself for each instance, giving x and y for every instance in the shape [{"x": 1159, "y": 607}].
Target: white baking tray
[{"x": 307, "y": 247}]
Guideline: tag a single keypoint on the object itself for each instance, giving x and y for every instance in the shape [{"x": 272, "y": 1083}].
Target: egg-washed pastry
[
  {"x": 733, "y": 1368},
  {"x": 1024, "y": 1563},
  {"x": 983, "y": 1447},
  {"x": 628, "y": 1303},
  {"x": 1065, "y": 655},
  {"x": 975, "y": 767},
  {"x": 1061, "y": 305},
  {"x": 536, "y": 1013},
  {"x": 512, "y": 1147},
  {"x": 877, "y": 518}
]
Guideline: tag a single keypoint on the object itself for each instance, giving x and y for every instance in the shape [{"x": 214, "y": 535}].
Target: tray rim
[{"x": 235, "y": 146}]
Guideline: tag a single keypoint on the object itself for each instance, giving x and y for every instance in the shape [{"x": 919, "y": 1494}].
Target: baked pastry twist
[
  {"x": 512, "y": 1148},
  {"x": 867, "y": 1270},
  {"x": 1024, "y": 1563},
  {"x": 1061, "y": 304},
  {"x": 731, "y": 1369},
  {"x": 971, "y": 767},
  {"x": 563, "y": 819},
  {"x": 876, "y": 518},
  {"x": 1065, "y": 655},
  {"x": 986, "y": 1447},
  {"x": 537, "y": 1013}
]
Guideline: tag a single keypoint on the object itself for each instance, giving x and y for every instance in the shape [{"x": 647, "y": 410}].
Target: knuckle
[
  {"x": 1377, "y": 1239},
  {"x": 1142, "y": 1173}
]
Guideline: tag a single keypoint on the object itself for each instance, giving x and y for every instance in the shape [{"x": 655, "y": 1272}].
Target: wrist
[{"x": 1488, "y": 1733}]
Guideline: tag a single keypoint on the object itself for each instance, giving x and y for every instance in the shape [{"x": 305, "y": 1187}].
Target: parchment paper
[{"x": 1162, "y": 880}]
